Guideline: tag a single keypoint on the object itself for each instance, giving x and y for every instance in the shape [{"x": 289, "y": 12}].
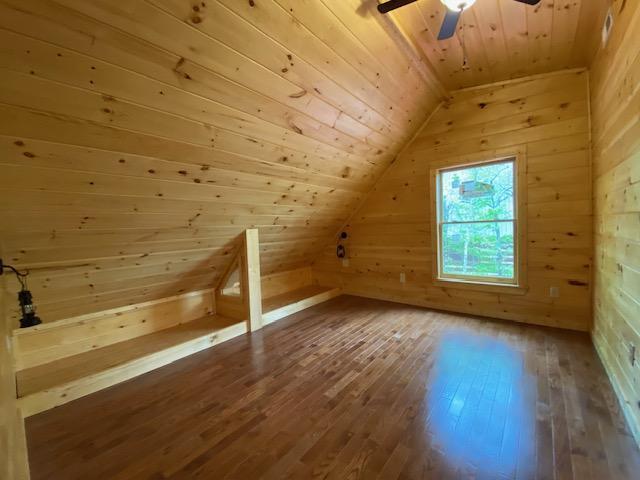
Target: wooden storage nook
[
  {"x": 333, "y": 239},
  {"x": 64, "y": 360}
]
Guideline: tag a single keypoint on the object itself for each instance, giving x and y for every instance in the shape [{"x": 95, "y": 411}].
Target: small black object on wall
[
  {"x": 25, "y": 299},
  {"x": 341, "y": 251}
]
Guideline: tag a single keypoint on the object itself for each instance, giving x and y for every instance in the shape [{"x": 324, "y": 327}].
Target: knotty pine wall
[
  {"x": 548, "y": 118},
  {"x": 138, "y": 139},
  {"x": 615, "y": 103}
]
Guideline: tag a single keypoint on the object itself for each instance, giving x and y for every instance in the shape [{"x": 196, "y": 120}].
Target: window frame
[{"x": 516, "y": 284}]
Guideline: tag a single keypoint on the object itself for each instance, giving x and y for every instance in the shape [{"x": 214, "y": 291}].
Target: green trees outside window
[{"x": 477, "y": 223}]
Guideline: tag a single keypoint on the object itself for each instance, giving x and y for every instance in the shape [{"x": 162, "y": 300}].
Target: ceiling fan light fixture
[{"x": 457, "y": 5}]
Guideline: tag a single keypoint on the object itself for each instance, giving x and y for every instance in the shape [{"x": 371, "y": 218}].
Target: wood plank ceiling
[
  {"x": 140, "y": 138},
  {"x": 505, "y": 39}
]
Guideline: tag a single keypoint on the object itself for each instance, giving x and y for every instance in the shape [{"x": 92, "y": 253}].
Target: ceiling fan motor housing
[
  {"x": 454, "y": 10},
  {"x": 458, "y": 5}
]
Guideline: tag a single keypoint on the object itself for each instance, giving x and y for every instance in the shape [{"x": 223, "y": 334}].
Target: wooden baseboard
[{"x": 289, "y": 303}]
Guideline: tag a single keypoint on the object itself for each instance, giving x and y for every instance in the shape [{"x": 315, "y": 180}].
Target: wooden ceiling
[
  {"x": 505, "y": 39},
  {"x": 140, "y": 138}
]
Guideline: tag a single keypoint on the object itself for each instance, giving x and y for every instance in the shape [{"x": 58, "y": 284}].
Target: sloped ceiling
[
  {"x": 505, "y": 39},
  {"x": 140, "y": 138}
]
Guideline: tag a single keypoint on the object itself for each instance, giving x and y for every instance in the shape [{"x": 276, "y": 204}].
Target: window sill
[{"x": 479, "y": 286}]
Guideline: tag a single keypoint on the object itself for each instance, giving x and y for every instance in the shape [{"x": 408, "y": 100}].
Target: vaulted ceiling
[
  {"x": 504, "y": 39},
  {"x": 139, "y": 138}
]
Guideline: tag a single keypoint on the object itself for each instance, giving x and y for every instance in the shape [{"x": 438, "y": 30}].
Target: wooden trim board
[
  {"x": 14, "y": 462},
  {"x": 247, "y": 306},
  {"x": 251, "y": 276}
]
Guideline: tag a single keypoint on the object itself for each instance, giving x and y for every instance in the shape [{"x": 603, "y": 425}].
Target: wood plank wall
[
  {"x": 615, "y": 103},
  {"x": 547, "y": 118},
  {"x": 283, "y": 282},
  {"x": 138, "y": 139},
  {"x": 13, "y": 447},
  {"x": 64, "y": 338}
]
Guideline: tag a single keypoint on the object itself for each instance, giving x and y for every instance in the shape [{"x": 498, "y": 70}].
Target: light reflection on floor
[{"x": 480, "y": 404}]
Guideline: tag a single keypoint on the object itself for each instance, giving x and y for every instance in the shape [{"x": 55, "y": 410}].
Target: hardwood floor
[{"x": 353, "y": 388}]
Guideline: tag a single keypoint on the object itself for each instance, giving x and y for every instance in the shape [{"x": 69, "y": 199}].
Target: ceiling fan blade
[
  {"x": 529, "y": 2},
  {"x": 449, "y": 24},
  {"x": 393, "y": 4}
]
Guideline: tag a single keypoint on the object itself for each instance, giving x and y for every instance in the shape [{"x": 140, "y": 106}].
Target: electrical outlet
[
  {"x": 554, "y": 292},
  {"x": 345, "y": 262},
  {"x": 403, "y": 277}
]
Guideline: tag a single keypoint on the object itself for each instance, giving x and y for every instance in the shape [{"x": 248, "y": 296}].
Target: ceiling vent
[{"x": 606, "y": 27}]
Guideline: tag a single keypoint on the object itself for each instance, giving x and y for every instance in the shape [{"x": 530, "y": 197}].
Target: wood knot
[{"x": 296, "y": 128}]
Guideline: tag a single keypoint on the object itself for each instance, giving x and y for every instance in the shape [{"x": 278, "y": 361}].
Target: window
[{"x": 477, "y": 223}]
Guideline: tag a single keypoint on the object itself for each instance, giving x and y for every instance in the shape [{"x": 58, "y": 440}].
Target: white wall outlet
[
  {"x": 554, "y": 292},
  {"x": 345, "y": 262},
  {"x": 403, "y": 277}
]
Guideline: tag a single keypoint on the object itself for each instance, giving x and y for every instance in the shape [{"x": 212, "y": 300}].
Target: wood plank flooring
[{"x": 353, "y": 389}]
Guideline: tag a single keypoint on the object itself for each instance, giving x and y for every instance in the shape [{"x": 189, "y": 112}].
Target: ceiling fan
[{"x": 454, "y": 10}]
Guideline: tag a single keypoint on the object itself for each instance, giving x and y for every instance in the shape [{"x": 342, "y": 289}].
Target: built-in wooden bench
[
  {"x": 279, "y": 306},
  {"x": 60, "y": 361},
  {"x": 51, "y": 384}
]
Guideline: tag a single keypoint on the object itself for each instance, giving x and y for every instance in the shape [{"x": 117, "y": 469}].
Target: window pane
[
  {"x": 478, "y": 249},
  {"x": 483, "y": 192}
]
